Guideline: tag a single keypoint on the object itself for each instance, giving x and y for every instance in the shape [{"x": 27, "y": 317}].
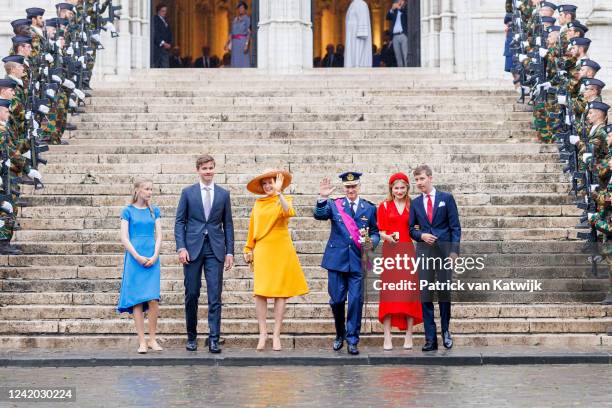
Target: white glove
[
  {"x": 46, "y": 71},
  {"x": 28, "y": 154},
  {"x": 50, "y": 93},
  {"x": 81, "y": 59},
  {"x": 37, "y": 85},
  {"x": 539, "y": 41},
  {"x": 7, "y": 207},
  {"x": 586, "y": 157},
  {"x": 96, "y": 38},
  {"x": 88, "y": 19},
  {"x": 110, "y": 26},
  {"x": 70, "y": 51},
  {"x": 543, "y": 52},
  {"x": 1, "y": 223},
  {"x": 68, "y": 84},
  {"x": 44, "y": 109},
  {"x": 562, "y": 100},
  {"x": 84, "y": 37},
  {"x": 28, "y": 115},
  {"x": 56, "y": 78},
  {"x": 590, "y": 216},
  {"x": 594, "y": 187},
  {"x": 525, "y": 44},
  {"x": 72, "y": 103},
  {"x": 35, "y": 125},
  {"x": 522, "y": 57},
  {"x": 573, "y": 139},
  {"x": 561, "y": 72},
  {"x": 517, "y": 37},
  {"x": 79, "y": 94},
  {"x": 49, "y": 58},
  {"x": 545, "y": 85},
  {"x": 34, "y": 174},
  {"x": 568, "y": 121}
]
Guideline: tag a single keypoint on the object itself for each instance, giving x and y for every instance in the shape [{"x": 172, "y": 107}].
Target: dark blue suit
[
  {"x": 342, "y": 259},
  {"x": 207, "y": 241},
  {"x": 446, "y": 227}
]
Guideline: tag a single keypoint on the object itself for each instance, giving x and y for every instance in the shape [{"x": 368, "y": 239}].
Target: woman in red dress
[{"x": 398, "y": 308}]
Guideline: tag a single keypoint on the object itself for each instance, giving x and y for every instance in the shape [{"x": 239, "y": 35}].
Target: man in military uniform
[
  {"x": 350, "y": 217},
  {"x": 35, "y": 15},
  {"x": 7, "y": 196},
  {"x": 589, "y": 92}
]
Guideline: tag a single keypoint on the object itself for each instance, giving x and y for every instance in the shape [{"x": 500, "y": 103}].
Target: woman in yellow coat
[{"x": 270, "y": 251}]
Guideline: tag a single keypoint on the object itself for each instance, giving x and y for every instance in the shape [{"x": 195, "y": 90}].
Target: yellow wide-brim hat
[{"x": 254, "y": 186}]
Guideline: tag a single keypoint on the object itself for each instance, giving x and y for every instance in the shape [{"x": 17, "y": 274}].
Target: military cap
[
  {"x": 594, "y": 82},
  {"x": 548, "y": 4},
  {"x": 609, "y": 128},
  {"x": 592, "y": 64},
  {"x": 20, "y": 22},
  {"x": 553, "y": 28},
  {"x": 548, "y": 20},
  {"x": 21, "y": 39},
  {"x": 53, "y": 22},
  {"x": 583, "y": 42},
  {"x": 64, "y": 6},
  {"x": 567, "y": 8},
  {"x": 35, "y": 12},
  {"x": 577, "y": 25},
  {"x": 599, "y": 106},
  {"x": 508, "y": 18},
  {"x": 7, "y": 83},
  {"x": 5, "y": 103},
  {"x": 350, "y": 178},
  {"x": 14, "y": 58}
]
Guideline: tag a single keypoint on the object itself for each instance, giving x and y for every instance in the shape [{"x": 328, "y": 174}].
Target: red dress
[{"x": 390, "y": 221}]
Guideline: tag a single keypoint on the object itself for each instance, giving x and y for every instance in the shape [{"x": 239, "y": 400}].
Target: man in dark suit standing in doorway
[{"x": 162, "y": 38}]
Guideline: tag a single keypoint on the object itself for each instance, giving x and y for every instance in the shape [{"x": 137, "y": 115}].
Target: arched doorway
[
  {"x": 328, "y": 26},
  {"x": 197, "y": 24}
]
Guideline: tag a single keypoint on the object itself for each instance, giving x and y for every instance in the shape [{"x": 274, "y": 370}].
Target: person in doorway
[
  {"x": 240, "y": 38},
  {"x": 398, "y": 15},
  {"x": 358, "y": 51},
  {"x": 162, "y": 38}
]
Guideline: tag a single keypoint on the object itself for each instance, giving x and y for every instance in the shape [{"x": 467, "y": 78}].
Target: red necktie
[{"x": 429, "y": 209}]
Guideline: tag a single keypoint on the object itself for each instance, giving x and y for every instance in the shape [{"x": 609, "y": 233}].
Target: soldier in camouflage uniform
[{"x": 7, "y": 197}]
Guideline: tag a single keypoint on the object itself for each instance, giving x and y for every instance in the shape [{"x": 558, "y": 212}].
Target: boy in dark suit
[
  {"x": 434, "y": 224},
  {"x": 162, "y": 38},
  {"x": 204, "y": 234}
]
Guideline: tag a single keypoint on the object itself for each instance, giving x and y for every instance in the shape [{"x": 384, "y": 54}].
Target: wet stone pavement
[{"x": 305, "y": 386}]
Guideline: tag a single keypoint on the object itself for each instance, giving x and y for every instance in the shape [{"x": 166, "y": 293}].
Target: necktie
[
  {"x": 429, "y": 209},
  {"x": 353, "y": 208},
  {"x": 207, "y": 202}
]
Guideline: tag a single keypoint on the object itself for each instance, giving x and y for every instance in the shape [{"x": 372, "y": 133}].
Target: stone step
[
  {"x": 316, "y": 285},
  {"x": 102, "y": 298},
  {"x": 522, "y": 270},
  {"x": 304, "y": 326},
  {"x": 296, "y": 341},
  {"x": 301, "y": 125},
  {"x": 304, "y": 311},
  {"x": 145, "y": 107},
  {"x": 156, "y": 117}
]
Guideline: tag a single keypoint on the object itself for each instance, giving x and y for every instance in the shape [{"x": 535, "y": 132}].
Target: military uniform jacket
[{"x": 341, "y": 252}]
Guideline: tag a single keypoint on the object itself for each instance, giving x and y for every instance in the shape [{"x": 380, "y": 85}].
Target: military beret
[
  {"x": 577, "y": 25},
  {"x": 585, "y": 42},
  {"x": 21, "y": 39},
  {"x": 350, "y": 178},
  {"x": 553, "y": 28},
  {"x": 599, "y": 106},
  {"x": 548, "y": 20},
  {"x": 594, "y": 82},
  {"x": 609, "y": 128},
  {"x": 5, "y": 103},
  {"x": 592, "y": 64},
  {"x": 548, "y": 4},
  {"x": 20, "y": 59},
  {"x": 567, "y": 8},
  {"x": 508, "y": 18},
  {"x": 7, "y": 83},
  {"x": 35, "y": 12},
  {"x": 64, "y": 6},
  {"x": 20, "y": 22}
]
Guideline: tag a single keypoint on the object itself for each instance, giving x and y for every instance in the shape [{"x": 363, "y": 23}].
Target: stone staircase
[{"x": 512, "y": 197}]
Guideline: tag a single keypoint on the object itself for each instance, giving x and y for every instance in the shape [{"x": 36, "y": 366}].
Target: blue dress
[{"x": 139, "y": 284}]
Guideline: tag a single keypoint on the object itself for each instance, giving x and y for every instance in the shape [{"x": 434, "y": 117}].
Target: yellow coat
[{"x": 276, "y": 267}]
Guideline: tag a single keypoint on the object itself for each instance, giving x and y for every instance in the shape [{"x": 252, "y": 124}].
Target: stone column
[
  {"x": 447, "y": 46},
  {"x": 285, "y": 35},
  {"x": 600, "y": 32}
]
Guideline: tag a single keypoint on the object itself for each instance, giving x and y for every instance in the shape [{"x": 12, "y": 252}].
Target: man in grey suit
[{"x": 204, "y": 234}]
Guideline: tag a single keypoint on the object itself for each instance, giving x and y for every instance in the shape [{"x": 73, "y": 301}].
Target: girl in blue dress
[{"x": 141, "y": 236}]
